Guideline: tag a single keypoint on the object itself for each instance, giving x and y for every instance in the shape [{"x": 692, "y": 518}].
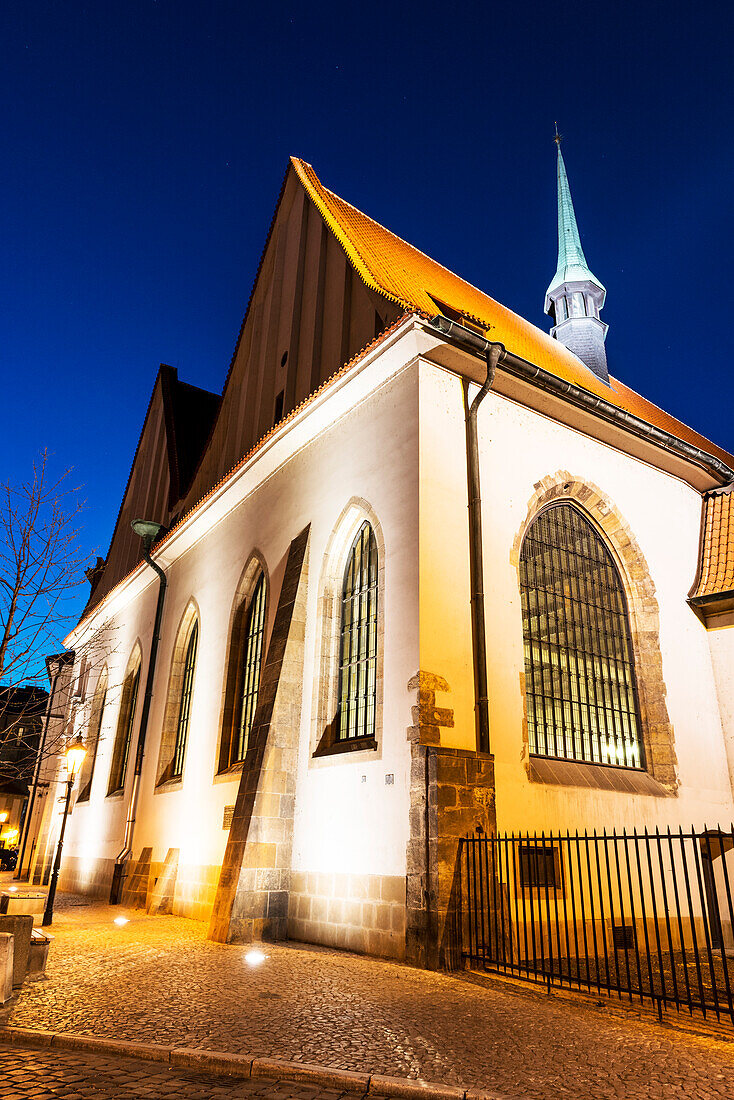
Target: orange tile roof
[
  {"x": 716, "y": 572},
  {"x": 397, "y": 270}
]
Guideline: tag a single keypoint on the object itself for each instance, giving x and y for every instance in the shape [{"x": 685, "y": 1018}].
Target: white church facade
[{"x": 421, "y": 568}]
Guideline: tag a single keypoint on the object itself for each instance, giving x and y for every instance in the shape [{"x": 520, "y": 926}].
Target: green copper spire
[
  {"x": 575, "y": 297},
  {"x": 572, "y": 266}
]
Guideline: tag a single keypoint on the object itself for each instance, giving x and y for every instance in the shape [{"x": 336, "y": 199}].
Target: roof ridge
[{"x": 408, "y": 244}]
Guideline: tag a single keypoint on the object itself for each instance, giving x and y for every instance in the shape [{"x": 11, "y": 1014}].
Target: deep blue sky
[{"x": 144, "y": 144}]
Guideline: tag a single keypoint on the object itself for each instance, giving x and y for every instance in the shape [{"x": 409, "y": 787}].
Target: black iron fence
[{"x": 645, "y": 915}]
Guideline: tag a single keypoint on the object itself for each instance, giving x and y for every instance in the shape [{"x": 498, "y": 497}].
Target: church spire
[{"x": 575, "y": 296}]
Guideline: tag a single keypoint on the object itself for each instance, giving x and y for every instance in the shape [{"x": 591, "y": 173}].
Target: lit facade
[{"x": 310, "y": 753}]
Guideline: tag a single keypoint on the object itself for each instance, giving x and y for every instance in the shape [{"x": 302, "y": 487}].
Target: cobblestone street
[
  {"x": 70, "y": 1075},
  {"x": 158, "y": 979}
]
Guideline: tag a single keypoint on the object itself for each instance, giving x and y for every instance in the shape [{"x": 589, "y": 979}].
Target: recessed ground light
[
  {"x": 254, "y": 958},
  {"x": 119, "y": 921}
]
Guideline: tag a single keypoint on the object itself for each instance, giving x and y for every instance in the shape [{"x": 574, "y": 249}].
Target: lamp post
[
  {"x": 3, "y": 818},
  {"x": 74, "y": 759}
]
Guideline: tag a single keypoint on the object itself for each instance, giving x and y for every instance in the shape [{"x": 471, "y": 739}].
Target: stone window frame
[
  {"x": 169, "y": 730},
  {"x": 125, "y": 718},
  {"x": 96, "y": 717},
  {"x": 231, "y": 690},
  {"x": 324, "y": 748},
  {"x": 643, "y": 612}
]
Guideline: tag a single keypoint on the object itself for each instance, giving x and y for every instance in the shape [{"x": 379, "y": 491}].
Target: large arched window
[
  {"x": 244, "y": 674},
  {"x": 358, "y": 643},
  {"x": 92, "y": 739},
  {"x": 125, "y": 721},
  {"x": 177, "y": 715},
  {"x": 579, "y": 672}
]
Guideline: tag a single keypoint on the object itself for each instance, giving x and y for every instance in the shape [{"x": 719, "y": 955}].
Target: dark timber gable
[
  {"x": 175, "y": 429},
  {"x": 308, "y": 314}
]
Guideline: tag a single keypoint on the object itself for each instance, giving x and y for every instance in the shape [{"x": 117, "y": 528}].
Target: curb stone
[
  {"x": 243, "y": 1065},
  {"x": 349, "y": 1080}
]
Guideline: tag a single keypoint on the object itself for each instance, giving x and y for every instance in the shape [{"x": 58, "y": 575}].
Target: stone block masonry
[
  {"x": 164, "y": 887},
  {"x": 451, "y": 794},
  {"x": 251, "y": 900},
  {"x": 363, "y": 913}
]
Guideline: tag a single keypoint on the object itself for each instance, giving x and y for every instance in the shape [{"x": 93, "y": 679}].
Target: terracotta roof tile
[
  {"x": 400, "y": 272},
  {"x": 716, "y": 570}
]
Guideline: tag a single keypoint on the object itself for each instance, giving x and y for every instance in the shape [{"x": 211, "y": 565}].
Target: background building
[{"x": 21, "y": 720}]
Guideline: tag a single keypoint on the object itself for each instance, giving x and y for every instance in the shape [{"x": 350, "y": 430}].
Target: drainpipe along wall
[
  {"x": 121, "y": 861},
  {"x": 476, "y": 558},
  {"x": 492, "y": 354}
]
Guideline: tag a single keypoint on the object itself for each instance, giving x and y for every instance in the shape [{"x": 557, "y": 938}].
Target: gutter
[
  {"x": 477, "y": 345},
  {"x": 127, "y": 844}
]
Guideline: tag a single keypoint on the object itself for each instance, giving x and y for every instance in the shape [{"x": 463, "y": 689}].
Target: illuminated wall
[
  {"x": 352, "y": 456},
  {"x": 387, "y": 443},
  {"x": 519, "y": 448}
]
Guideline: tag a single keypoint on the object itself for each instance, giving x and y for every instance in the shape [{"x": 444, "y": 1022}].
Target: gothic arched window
[
  {"x": 579, "y": 670},
  {"x": 358, "y": 644},
  {"x": 251, "y": 663},
  {"x": 244, "y": 675},
  {"x": 92, "y": 739},
  {"x": 125, "y": 721},
  {"x": 184, "y": 712}
]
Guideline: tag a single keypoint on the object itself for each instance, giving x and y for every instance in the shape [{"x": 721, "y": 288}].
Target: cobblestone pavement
[
  {"x": 158, "y": 979},
  {"x": 70, "y": 1075}
]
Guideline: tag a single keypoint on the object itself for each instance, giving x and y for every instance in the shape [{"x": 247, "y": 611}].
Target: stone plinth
[
  {"x": 28, "y": 903},
  {"x": 20, "y": 928},
  {"x": 6, "y": 967}
]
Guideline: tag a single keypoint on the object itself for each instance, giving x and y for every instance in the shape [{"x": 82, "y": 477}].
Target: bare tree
[
  {"x": 42, "y": 573},
  {"x": 41, "y": 569}
]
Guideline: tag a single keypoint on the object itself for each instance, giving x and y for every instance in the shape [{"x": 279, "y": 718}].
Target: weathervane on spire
[{"x": 558, "y": 138}]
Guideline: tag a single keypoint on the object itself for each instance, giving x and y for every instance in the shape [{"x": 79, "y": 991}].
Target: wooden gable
[
  {"x": 309, "y": 313},
  {"x": 175, "y": 428}
]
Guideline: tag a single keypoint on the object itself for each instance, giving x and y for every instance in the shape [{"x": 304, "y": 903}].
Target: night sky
[{"x": 144, "y": 145}]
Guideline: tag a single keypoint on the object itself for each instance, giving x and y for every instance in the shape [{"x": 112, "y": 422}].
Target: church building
[{"x": 421, "y": 568}]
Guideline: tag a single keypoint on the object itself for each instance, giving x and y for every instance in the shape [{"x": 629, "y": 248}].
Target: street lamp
[{"x": 74, "y": 759}]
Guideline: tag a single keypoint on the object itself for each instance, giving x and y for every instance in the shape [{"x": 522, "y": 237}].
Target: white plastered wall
[
  {"x": 358, "y": 442},
  {"x": 518, "y": 448}
]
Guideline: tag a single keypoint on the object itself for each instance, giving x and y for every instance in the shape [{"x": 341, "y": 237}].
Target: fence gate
[{"x": 645, "y": 915}]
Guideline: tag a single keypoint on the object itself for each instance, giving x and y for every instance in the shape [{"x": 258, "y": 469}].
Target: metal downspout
[
  {"x": 476, "y": 561},
  {"x": 126, "y": 852}
]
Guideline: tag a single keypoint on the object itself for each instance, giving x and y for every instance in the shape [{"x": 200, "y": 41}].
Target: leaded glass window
[
  {"x": 184, "y": 712},
  {"x": 251, "y": 662},
  {"x": 358, "y": 649},
  {"x": 579, "y": 671},
  {"x": 95, "y": 726},
  {"x": 124, "y": 731}
]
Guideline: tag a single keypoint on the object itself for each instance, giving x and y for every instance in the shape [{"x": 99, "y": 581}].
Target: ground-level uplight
[
  {"x": 254, "y": 958},
  {"x": 120, "y": 921}
]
